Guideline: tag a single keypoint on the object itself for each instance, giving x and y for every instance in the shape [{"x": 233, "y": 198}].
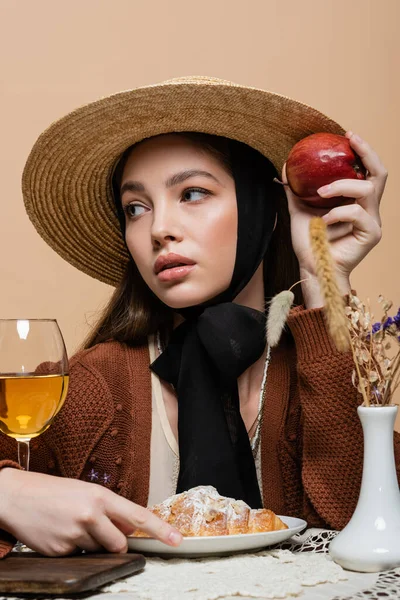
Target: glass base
[{"x": 21, "y": 547}]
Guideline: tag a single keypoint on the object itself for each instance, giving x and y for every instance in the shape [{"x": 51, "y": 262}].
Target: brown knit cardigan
[{"x": 311, "y": 450}]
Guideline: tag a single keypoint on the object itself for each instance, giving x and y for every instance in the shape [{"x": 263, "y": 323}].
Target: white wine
[{"x": 28, "y": 403}]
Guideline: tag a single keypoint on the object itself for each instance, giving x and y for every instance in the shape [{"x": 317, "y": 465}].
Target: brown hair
[{"x": 134, "y": 311}]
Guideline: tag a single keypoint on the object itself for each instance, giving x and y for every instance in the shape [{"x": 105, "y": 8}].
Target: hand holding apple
[
  {"x": 320, "y": 159},
  {"x": 353, "y": 228}
]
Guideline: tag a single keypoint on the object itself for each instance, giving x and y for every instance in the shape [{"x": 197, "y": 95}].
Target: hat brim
[{"x": 66, "y": 183}]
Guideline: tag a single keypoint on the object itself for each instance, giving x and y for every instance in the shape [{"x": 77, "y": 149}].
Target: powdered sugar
[{"x": 202, "y": 511}]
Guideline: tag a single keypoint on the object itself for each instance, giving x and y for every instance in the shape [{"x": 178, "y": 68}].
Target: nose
[{"x": 166, "y": 226}]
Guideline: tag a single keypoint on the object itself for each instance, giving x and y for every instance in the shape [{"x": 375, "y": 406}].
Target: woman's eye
[
  {"x": 194, "y": 194},
  {"x": 134, "y": 210}
]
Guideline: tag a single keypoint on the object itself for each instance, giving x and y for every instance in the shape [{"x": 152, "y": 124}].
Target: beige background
[{"x": 340, "y": 56}]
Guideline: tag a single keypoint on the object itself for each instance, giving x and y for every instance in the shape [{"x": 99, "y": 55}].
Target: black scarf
[{"x": 216, "y": 343}]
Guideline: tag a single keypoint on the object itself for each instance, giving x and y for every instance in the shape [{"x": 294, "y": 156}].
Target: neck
[
  {"x": 252, "y": 295},
  {"x": 249, "y": 382}
]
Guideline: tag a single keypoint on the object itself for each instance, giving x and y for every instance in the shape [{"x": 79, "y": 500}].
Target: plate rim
[{"x": 191, "y": 539}]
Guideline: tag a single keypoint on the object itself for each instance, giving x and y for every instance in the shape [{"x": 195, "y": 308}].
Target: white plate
[{"x": 195, "y": 547}]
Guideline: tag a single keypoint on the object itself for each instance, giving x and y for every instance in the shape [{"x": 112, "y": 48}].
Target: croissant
[{"x": 201, "y": 511}]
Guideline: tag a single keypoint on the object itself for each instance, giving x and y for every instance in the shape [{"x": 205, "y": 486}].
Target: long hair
[{"x": 134, "y": 311}]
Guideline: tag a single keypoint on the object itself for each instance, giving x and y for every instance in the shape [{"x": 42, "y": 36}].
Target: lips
[{"x": 170, "y": 261}]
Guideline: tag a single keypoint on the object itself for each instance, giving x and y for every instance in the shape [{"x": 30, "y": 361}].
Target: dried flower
[
  {"x": 278, "y": 311},
  {"x": 93, "y": 476},
  {"x": 376, "y": 327},
  {"x": 376, "y": 351},
  {"x": 376, "y": 372},
  {"x": 279, "y": 308},
  {"x": 334, "y": 305},
  {"x": 375, "y": 347}
]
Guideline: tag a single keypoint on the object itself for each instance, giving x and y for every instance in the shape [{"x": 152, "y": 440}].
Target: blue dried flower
[
  {"x": 376, "y": 393},
  {"x": 93, "y": 476},
  {"x": 387, "y": 323},
  {"x": 106, "y": 479},
  {"x": 396, "y": 319},
  {"x": 376, "y": 327}
]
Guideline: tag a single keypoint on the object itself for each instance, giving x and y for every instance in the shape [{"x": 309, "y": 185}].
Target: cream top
[{"x": 164, "y": 453}]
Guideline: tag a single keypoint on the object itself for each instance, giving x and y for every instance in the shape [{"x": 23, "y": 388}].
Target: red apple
[{"x": 317, "y": 160}]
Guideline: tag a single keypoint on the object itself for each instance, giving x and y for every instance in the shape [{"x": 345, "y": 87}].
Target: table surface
[{"x": 355, "y": 586}]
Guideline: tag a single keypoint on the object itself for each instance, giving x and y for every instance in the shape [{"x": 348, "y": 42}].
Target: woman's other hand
[
  {"x": 353, "y": 229},
  {"x": 56, "y": 516}
]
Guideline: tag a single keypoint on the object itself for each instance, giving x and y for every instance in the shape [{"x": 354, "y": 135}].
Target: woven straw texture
[{"x": 66, "y": 182}]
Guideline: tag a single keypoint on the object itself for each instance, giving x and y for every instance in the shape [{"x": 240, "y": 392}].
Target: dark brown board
[{"x": 32, "y": 573}]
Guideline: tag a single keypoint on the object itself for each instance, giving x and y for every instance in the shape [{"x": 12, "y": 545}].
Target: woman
[{"x": 205, "y": 242}]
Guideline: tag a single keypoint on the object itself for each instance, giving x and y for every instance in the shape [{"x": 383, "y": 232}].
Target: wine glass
[{"x": 33, "y": 379}]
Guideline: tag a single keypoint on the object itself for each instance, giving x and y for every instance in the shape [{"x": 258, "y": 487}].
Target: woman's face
[{"x": 181, "y": 219}]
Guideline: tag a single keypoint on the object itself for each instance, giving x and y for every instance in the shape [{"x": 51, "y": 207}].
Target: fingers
[
  {"x": 289, "y": 193},
  {"x": 64, "y": 543},
  {"x": 367, "y": 192},
  {"x": 336, "y": 231},
  {"x": 349, "y": 188},
  {"x": 364, "y": 191},
  {"x": 369, "y": 157},
  {"x": 284, "y": 177},
  {"x": 133, "y": 516},
  {"x": 88, "y": 544},
  {"x": 364, "y": 227},
  {"x": 107, "y": 535},
  {"x": 126, "y": 528}
]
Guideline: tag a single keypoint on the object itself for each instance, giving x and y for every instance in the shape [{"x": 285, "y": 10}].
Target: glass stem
[{"x": 23, "y": 453}]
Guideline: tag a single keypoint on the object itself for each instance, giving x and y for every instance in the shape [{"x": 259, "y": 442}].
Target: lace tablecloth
[{"x": 300, "y": 567}]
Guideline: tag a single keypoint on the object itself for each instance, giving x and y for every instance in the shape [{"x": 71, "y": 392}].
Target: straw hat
[{"x": 66, "y": 182}]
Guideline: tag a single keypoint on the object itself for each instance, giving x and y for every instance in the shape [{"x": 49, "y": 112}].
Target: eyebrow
[{"x": 136, "y": 186}]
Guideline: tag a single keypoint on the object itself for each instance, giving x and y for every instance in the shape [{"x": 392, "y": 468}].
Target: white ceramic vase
[{"x": 370, "y": 542}]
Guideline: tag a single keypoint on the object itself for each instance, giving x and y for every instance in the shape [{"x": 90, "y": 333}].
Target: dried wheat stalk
[{"x": 334, "y": 305}]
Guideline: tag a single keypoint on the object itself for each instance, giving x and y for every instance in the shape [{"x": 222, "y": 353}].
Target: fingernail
[
  {"x": 325, "y": 189},
  {"x": 175, "y": 538},
  {"x": 356, "y": 138}
]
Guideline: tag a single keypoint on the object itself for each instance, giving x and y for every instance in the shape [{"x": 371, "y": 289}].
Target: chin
[
  {"x": 181, "y": 303},
  {"x": 177, "y": 299}
]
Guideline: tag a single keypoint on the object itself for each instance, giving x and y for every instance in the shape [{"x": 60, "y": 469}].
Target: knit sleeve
[
  {"x": 332, "y": 438},
  {"x": 7, "y": 542}
]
